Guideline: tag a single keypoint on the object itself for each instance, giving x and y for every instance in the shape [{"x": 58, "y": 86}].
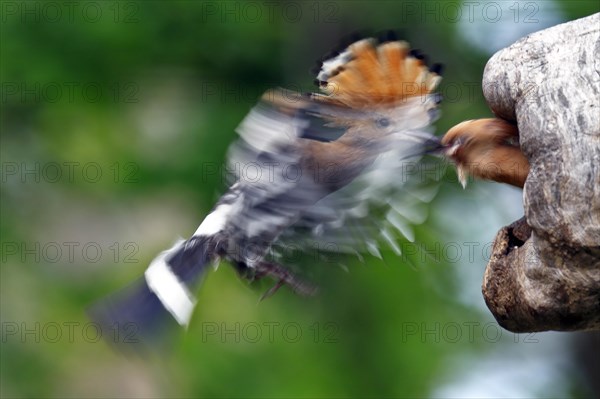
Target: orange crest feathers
[{"x": 366, "y": 74}]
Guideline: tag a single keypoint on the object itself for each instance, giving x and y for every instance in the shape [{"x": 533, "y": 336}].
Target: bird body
[{"x": 322, "y": 158}]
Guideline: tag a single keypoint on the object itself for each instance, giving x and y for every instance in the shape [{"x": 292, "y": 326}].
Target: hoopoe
[
  {"x": 323, "y": 158},
  {"x": 488, "y": 149}
]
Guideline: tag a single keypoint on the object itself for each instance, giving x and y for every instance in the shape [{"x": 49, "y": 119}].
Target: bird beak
[
  {"x": 450, "y": 151},
  {"x": 433, "y": 145},
  {"x": 462, "y": 176}
]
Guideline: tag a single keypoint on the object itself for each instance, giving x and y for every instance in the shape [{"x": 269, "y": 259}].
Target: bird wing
[
  {"x": 382, "y": 203},
  {"x": 268, "y": 164},
  {"x": 379, "y": 207}
]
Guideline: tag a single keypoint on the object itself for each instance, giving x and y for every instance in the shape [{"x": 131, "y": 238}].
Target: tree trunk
[{"x": 544, "y": 272}]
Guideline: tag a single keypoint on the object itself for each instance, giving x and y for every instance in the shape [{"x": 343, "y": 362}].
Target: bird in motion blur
[{"x": 326, "y": 161}]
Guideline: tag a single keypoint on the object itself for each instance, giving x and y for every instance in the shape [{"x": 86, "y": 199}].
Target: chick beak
[
  {"x": 462, "y": 175},
  {"x": 434, "y": 146},
  {"x": 451, "y": 152}
]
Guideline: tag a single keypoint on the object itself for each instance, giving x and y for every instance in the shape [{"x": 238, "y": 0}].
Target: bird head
[{"x": 486, "y": 148}]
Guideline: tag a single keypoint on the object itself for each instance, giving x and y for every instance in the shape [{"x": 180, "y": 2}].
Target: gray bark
[{"x": 544, "y": 273}]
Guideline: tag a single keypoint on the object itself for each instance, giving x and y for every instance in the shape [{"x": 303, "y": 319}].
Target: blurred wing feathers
[{"x": 381, "y": 206}]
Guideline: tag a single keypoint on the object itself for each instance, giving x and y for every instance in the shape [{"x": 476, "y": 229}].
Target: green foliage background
[{"x": 158, "y": 88}]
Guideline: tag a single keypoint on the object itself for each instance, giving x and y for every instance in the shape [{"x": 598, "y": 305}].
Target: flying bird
[{"x": 327, "y": 162}]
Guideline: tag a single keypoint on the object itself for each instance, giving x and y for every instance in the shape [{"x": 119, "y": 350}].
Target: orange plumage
[
  {"x": 488, "y": 149},
  {"x": 366, "y": 75}
]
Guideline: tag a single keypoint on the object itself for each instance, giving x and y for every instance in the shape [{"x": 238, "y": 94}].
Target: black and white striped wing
[
  {"x": 267, "y": 161},
  {"x": 378, "y": 209}
]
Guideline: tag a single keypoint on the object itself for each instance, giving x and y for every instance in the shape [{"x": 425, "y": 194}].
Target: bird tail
[{"x": 144, "y": 313}]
